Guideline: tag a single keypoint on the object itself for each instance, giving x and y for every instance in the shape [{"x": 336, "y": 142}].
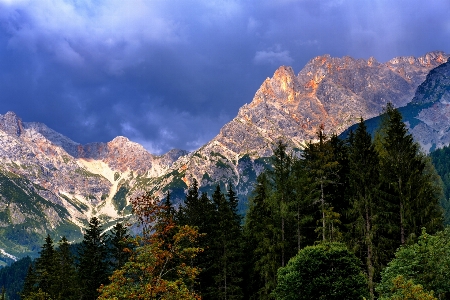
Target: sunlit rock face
[{"x": 335, "y": 92}]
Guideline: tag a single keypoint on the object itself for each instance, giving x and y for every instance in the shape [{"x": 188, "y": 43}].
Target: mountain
[
  {"x": 428, "y": 114},
  {"x": 335, "y": 92},
  {"x": 51, "y": 184}
]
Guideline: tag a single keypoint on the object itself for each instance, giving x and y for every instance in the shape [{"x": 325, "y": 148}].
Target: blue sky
[{"x": 170, "y": 73}]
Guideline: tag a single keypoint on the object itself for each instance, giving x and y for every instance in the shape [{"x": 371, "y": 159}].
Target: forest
[{"x": 356, "y": 218}]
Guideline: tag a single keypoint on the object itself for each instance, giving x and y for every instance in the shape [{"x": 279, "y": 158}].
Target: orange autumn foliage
[{"x": 160, "y": 265}]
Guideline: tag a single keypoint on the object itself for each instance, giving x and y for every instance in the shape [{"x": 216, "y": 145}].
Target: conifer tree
[
  {"x": 302, "y": 206},
  {"x": 407, "y": 179},
  {"x": 65, "y": 282},
  {"x": 45, "y": 266},
  {"x": 29, "y": 284},
  {"x": 323, "y": 172},
  {"x": 365, "y": 200},
  {"x": 118, "y": 243},
  {"x": 92, "y": 265},
  {"x": 226, "y": 248},
  {"x": 168, "y": 209},
  {"x": 236, "y": 255},
  {"x": 339, "y": 190},
  {"x": 198, "y": 212},
  {"x": 190, "y": 209},
  {"x": 42, "y": 276},
  {"x": 282, "y": 194},
  {"x": 261, "y": 237}
]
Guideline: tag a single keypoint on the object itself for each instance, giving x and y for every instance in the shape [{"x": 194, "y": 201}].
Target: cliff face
[{"x": 70, "y": 182}]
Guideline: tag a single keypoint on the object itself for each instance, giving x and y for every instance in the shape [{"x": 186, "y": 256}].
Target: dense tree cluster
[
  {"x": 323, "y": 222},
  {"x": 13, "y": 276},
  {"x": 58, "y": 273},
  {"x": 373, "y": 195}
]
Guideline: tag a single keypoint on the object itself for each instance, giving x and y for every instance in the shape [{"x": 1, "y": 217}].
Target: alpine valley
[{"x": 51, "y": 184}]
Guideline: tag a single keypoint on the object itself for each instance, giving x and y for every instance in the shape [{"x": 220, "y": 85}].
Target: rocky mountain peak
[
  {"x": 281, "y": 87},
  {"x": 332, "y": 91},
  {"x": 120, "y": 140},
  {"x": 11, "y": 124},
  {"x": 436, "y": 87},
  {"x": 173, "y": 155},
  {"x": 123, "y": 154},
  {"x": 430, "y": 59},
  {"x": 56, "y": 138}
]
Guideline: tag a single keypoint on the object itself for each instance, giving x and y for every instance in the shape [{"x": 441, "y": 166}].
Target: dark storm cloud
[{"x": 172, "y": 73}]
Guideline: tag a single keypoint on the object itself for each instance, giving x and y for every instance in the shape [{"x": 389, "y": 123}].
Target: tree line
[
  {"x": 350, "y": 202},
  {"x": 64, "y": 272}
]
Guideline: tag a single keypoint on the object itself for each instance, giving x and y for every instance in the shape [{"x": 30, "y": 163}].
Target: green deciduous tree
[
  {"x": 426, "y": 262},
  {"x": 324, "y": 271}
]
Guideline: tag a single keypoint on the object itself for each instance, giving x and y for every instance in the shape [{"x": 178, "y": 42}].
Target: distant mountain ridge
[
  {"x": 72, "y": 182},
  {"x": 428, "y": 114}
]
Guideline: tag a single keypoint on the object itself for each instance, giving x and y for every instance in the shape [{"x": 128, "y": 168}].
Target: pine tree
[
  {"x": 45, "y": 266},
  {"x": 323, "y": 172},
  {"x": 65, "y": 282},
  {"x": 198, "y": 212},
  {"x": 169, "y": 210},
  {"x": 407, "y": 178},
  {"x": 189, "y": 210},
  {"x": 236, "y": 255},
  {"x": 282, "y": 194},
  {"x": 303, "y": 206},
  {"x": 92, "y": 265},
  {"x": 225, "y": 248},
  {"x": 119, "y": 246},
  {"x": 263, "y": 258},
  {"x": 30, "y": 283},
  {"x": 365, "y": 200}
]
